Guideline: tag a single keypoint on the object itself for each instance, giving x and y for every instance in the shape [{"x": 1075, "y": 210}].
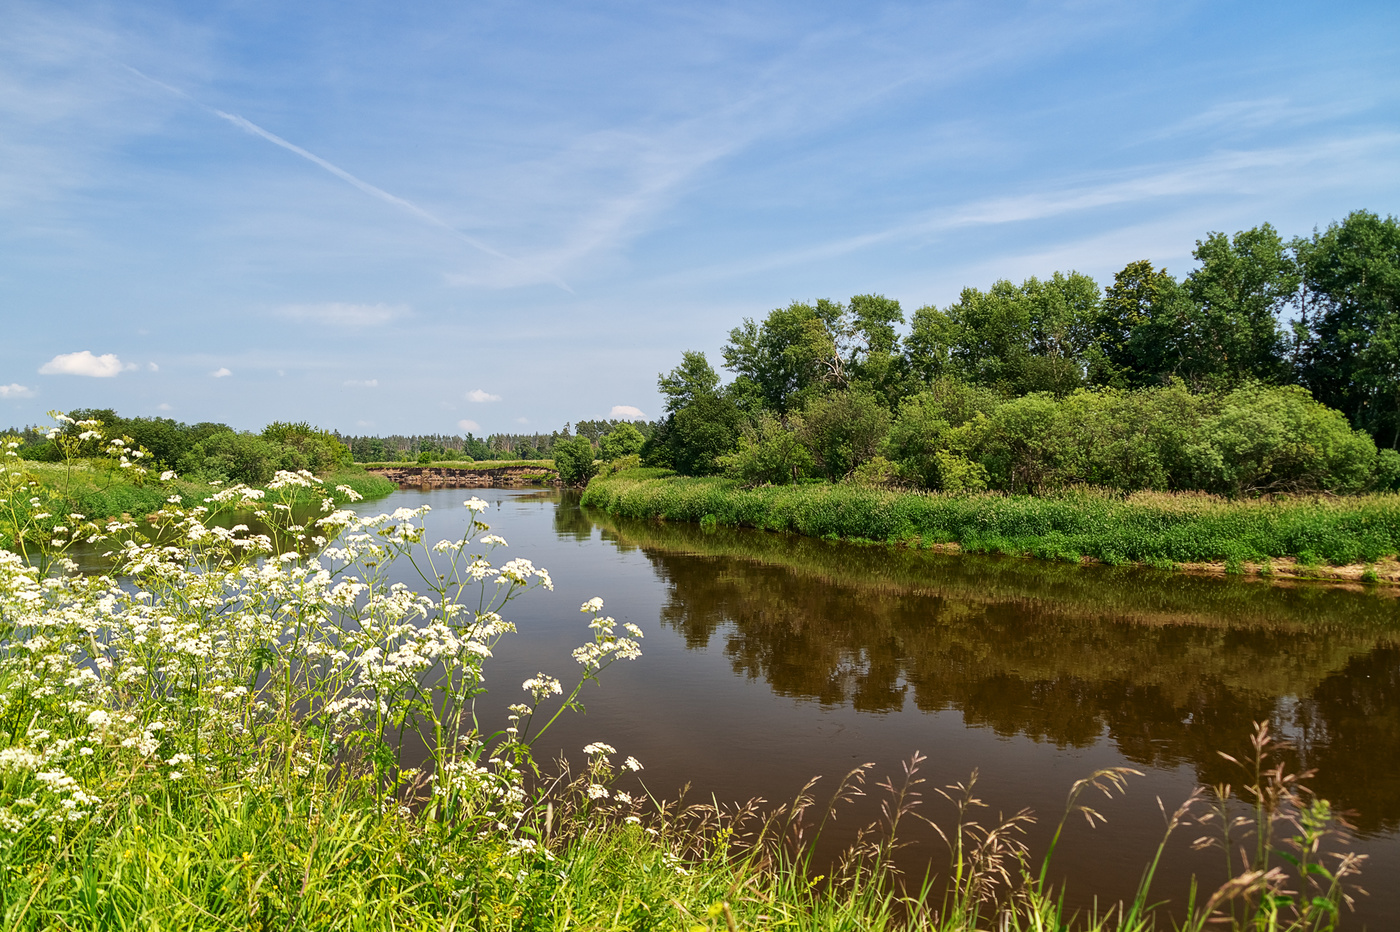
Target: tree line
[
  {"x": 1272, "y": 365},
  {"x": 432, "y": 448},
  {"x": 207, "y": 450}
]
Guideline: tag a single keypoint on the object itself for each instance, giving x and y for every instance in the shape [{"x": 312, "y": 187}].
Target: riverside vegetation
[
  {"x": 1143, "y": 423},
  {"x": 221, "y": 734},
  {"x": 103, "y": 466}
]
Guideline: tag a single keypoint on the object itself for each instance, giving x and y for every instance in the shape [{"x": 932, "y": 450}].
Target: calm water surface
[{"x": 770, "y": 659}]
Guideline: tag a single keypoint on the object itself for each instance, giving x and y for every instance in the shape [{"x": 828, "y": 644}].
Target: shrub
[
  {"x": 843, "y": 430},
  {"x": 573, "y": 459},
  {"x": 768, "y": 453}
]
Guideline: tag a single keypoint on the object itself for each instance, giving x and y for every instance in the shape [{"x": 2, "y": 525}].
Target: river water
[{"x": 770, "y": 659}]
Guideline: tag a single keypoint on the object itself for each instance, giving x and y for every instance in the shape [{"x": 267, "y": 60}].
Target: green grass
[
  {"x": 100, "y": 494},
  {"x": 1145, "y": 528}
]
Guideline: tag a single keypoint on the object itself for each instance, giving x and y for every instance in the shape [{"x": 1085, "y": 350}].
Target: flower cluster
[{"x": 212, "y": 652}]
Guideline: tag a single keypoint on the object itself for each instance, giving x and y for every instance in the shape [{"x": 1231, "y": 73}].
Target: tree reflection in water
[{"x": 1170, "y": 668}]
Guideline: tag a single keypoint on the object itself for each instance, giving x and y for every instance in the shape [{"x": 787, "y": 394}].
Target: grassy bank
[
  {"x": 100, "y": 492},
  {"x": 1156, "y": 529}
]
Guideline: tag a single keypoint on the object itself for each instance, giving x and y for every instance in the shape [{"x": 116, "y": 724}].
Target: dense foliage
[{"x": 1273, "y": 366}]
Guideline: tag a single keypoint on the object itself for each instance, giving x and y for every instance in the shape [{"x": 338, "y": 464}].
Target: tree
[
  {"x": 768, "y": 453},
  {"x": 1237, "y": 295},
  {"x": 1350, "y": 309},
  {"x": 870, "y": 345},
  {"x": 623, "y": 441},
  {"x": 702, "y": 432},
  {"x": 692, "y": 378},
  {"x": 780, "y": 362},
  {"x": 1141, "y": 324},
  {"x": 928, "y": 350},
  {"x": 573, "y": 459}
]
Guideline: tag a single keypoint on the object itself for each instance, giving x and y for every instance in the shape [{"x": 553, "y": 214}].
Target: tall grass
[{"x": 1148, "y": 528}]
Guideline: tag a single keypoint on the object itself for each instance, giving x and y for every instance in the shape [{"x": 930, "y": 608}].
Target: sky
[{"x": 504, "y": 216}]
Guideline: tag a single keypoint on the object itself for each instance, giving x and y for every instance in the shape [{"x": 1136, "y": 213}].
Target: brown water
[{"x": 770, "y": 659}]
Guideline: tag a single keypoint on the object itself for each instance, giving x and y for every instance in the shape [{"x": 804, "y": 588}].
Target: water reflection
[{"x": 1170, "y": 669}]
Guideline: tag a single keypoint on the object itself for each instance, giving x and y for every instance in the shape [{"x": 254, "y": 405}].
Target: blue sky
[{"x": 507, "y": 215}]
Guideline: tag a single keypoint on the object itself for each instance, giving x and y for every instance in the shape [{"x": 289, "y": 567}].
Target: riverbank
[
  {"x": 444, "y": 476},
  {"x": 99, "y": 493},
  {"x": 1345, "y": 539}
]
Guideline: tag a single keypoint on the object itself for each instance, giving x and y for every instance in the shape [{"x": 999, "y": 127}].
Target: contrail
[{"x": 248, "y": 126}]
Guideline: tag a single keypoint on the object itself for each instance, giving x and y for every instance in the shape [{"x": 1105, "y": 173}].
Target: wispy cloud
[
  {"x": 361, "y": 383},
  {"x": 85, "y": 363},
  {"x": 221, "y": 373},
  {"x": 248, "y": 126},
  {"x": 16, "y": 390},
  {"x": 480, "y": 395},
  {"x": 468, "y": 426},
  {"x": 1227, "y": 172},
  {"x": 337, "y": 314}
]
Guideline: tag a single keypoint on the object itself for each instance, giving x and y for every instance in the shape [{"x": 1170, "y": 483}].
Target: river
[{"x": 770, "y": 659}]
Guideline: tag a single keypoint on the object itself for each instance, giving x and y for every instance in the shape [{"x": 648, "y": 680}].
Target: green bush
[
  {"x": 768, "y": 453},
  {"x": 573, "y": 459},
  {"x": 842, "y": 430}
]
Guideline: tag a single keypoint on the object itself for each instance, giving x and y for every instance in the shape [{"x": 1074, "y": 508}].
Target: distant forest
[{"x": 429, "y": 448}]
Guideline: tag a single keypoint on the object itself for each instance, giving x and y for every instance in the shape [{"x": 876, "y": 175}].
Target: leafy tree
[
  {"x": 870, "y": 345},
  {"x": 1033, "y": 337},
  {"x": 1233, "y": 332},
  {"x": 623, "y": 441},
  {"x": 307, "y": 447},
  {"x": 1351, "y": 314},
  {"x": 693, "y": 378},
  {"x": 937, "y": 431},
  {"x": 701, "y": 433},
  {"x": 573, "y": 458},
  {"x": 1141, "y": 326},
  {"x": 781, "y": 362},
  {"x": 1268, "y": 439},
  {"x": 928, "y": 349}
]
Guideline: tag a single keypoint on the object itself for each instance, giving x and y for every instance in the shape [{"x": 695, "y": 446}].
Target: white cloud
[
  {"x": 220, "y": 373},
  {"x": 84, "y": 363},
  {"x": 627, "y": 412},
  {"x": 336, "y": 314},
  {"x": 522, "y": 420},
  {"x": 480, "y": 395},
  {"x": 361, "y": 383},
  {"x": 16, "y": 390},
  {"x": 164, "y": 407},
  {"x": 468, "y": 426},
  {"x": 152, "y": 367}
]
